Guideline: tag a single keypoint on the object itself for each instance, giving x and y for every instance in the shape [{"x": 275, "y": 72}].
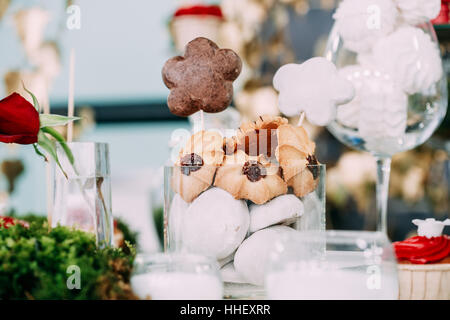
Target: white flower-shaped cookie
[{"x": 314, "y": 87}]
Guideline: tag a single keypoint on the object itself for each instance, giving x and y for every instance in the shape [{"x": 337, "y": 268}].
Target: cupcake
[
  {"x": 424, "y": 262},
  {"x": 191, "y": 22}
]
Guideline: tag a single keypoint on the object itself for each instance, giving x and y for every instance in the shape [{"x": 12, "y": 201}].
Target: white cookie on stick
[{"x": 313, "y": 88}]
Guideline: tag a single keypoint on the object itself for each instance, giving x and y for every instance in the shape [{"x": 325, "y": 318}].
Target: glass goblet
[{"x": 396, "y": 107}]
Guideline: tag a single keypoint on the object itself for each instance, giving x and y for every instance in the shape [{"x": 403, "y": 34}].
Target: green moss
[{"x": 34, "y": 262}]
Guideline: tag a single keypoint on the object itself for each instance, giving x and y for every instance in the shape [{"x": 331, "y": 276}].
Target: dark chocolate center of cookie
[
  {"x": 190, "y": 163},
  {"x": 313, "y": 166},
  {"x": 254, "y": 171}
]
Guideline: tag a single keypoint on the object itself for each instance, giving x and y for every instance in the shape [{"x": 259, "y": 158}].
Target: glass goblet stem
[{"x": 383, "y": 174}]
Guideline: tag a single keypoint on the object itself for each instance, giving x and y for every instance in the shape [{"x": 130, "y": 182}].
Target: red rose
[{"x": 19, "y": 120}]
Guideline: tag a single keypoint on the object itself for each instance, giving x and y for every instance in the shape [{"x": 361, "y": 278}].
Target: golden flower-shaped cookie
[
  {"x": 275, "y": 139},
  {"x": 307, "y": 179},
  {"x": 194, "y": 170},
  {"x": 294, "y": 148},
  {"x": 250, "y": 178}
]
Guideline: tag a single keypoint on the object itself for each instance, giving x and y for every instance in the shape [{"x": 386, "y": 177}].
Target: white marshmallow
[
  {"x": 253, "y": 255},
  {"x": 313, "y": 87},
  {"x": 285, "y": 209},
  {"x": 215, "y": 224},
  {"x": 362, "y": 22}
]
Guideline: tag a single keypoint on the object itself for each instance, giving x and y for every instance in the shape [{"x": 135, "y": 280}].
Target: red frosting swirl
[
  {"x": 421, "y": 250},
  {"x": 200, "y": 11}
]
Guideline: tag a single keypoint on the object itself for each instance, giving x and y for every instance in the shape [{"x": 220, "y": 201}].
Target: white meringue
[
  {"x": 415, "y": 12},
  {"x": 383, "y": 107},
  {"x": 411, "y": 58},
  {"x": 313, "y": 87},
  {"x": 348, "y": 114},
  {"x": 362, "y": 22}
]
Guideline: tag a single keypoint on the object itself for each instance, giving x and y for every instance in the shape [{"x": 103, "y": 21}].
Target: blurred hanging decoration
[
  {"x": 43, "y": 58},
  {"x": 195, "y": 21},
  {"x": 257, "y": 30},
  {"x": 4, "y": 4}
]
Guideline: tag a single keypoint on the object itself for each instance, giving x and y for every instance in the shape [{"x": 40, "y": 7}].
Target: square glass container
[{"x": 235, "y": 218}]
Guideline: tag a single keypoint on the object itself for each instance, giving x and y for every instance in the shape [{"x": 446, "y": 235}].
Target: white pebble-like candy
[
  {"x": 284, "y": 210},
  {"x": 252, "y": 257},
  {"x": 362, "y": 22},
  {"x": 215, "y": 224},
  {"x": 313, "y": 87}
]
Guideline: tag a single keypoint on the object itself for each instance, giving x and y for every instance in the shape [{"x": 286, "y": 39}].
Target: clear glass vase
[
  {"x": 233, "y": 230},
  {"x": 82, "y": 200}
]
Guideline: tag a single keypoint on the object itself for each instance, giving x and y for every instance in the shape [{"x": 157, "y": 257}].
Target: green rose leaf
[
  {"x": 35, "y": 100},
  {"x": 48, "y": 145},
  {"x": 54, "y": 120},
  {"x": 58, "y": 137}
]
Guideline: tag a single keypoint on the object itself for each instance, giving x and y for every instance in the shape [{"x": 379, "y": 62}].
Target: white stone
[
  {"x": 215, "y": 224},
  {"x": 253, "y": 255},
  {"x": 283, "y": 210},
  {"x": 226, "y": 260}
]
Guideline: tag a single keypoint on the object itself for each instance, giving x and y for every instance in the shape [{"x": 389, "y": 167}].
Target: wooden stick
[
  {"x": 302, "y": 118},
  {"x": 202, "y": 121},
  {"x": 71, "y": 98}
]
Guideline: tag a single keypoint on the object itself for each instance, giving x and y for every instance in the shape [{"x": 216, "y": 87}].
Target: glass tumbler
[
  {"x": 83, "y": 199},
  {"x": 176, "y": 276},
  {"x": 356, "y": 265}
]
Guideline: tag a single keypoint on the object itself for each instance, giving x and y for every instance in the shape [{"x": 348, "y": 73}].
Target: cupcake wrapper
[{"x": 424, "y": 282}]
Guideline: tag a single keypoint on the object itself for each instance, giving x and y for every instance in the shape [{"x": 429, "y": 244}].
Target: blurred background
[{"x": 120, "y": 48}]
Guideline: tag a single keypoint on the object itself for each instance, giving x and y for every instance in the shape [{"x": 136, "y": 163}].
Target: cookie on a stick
[{"x": 202, "y": 79}]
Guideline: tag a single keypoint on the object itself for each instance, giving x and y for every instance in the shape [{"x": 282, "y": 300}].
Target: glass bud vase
[{"x": 82, "y": 200}]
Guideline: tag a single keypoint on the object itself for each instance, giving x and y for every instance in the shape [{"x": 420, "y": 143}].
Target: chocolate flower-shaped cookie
[{"x": 202, "y": 79}]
